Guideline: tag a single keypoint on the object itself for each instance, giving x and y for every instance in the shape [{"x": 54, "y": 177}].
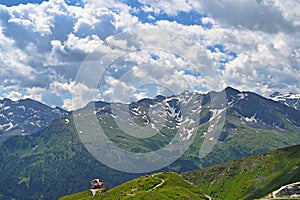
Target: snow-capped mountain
[
  {"x": 189, "y": 111},
  {"x": 290, "y": 99},
  {"x": 25, "y": 117},
  {"x": 184, "y": 112},
  {"x": 252, "y": 125}
]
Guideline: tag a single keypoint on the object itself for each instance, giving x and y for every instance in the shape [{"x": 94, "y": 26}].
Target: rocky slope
[{"x": 25, "y": 117}]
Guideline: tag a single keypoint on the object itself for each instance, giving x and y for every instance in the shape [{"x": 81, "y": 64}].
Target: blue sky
[
  {"x": 176, "y": 45},
  {"x": 17, "y": 2}
]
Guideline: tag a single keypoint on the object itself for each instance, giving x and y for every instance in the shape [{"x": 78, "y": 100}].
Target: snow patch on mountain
[
  {"x": 242, "y": 96},
  {"x": 6, "y": 127},
  {"x": 216, "y": 113},
  {"x": 251, "y": 119},
  {"x": 289, "y": 99}
]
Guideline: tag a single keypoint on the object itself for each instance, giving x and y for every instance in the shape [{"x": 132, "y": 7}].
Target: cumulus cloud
[
  {"x": 265, "y": 64},
  {"x": 251, "y": 45},
  {"x": 253, "y": 15},
  {"x": 184, "y": 66},
  {"x": 290, "y": 9},
  {"x": 170, "y": 7},
  {"x": 13, "y": 95},
  {"x": 266, "y": 15},
  {"x": 79, "y": 94},
  {"x": 45, "y": 43}
]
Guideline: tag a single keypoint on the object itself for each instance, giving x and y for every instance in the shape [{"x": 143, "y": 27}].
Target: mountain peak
[
  {"x": 25, "y": 117},
  {"x": 289, "y": 99},
  {"x": 159, "y": 98},
  {"x": 231, "y": 90},
  {"x": 275, "y": 94}
]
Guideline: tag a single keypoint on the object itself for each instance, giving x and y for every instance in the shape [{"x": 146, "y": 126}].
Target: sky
[{"x": 67, "y": 53}]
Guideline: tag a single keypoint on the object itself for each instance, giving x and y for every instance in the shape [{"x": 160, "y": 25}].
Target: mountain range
[
  {"x": 250, "y": 124},
  {"x": 222, "y": 126},
  {"x": 25, "y": 117}
]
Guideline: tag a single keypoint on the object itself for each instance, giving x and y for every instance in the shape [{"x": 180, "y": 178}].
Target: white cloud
[
  {"x": 45, "y": 43},
  {"x": 246, "y": 14},
  {"x": 35, "y": 93},
  {"x": 42, "y": 47},
  {"x": 264, "y": 63},
  {"x": 169, "y": 70},
  {"x": 13, "y": 95},
  {"x": 80, "y": 94},
  {"x": 289, "y": 9},
  {"x": 170, "y": 7}
]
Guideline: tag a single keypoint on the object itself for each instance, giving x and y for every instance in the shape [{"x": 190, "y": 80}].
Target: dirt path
[
  {"x": 277, "y": 191},
  {"x": 158, "y": 185},
  {"x": 163, "y": 181},
  {"x": 208, "y": 197}
]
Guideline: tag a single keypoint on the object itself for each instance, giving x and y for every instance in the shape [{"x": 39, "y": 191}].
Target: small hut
[{"x": 97, "y": 185}]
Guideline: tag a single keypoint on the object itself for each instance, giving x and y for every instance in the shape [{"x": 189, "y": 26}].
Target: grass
[
  {"x": 247, "y": 178},
  {"x": 251, "y": 177},
  {"x": 167, "y": 185}
]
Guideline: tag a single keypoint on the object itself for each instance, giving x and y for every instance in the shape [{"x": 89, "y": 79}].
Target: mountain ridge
[
  {"x": 288, "y": 99},
  {"x": 25, "y": 117},
  {"x": 33, "y": 163}
]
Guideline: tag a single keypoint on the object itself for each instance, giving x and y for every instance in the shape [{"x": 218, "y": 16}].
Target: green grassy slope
[
  {"x": 157, "y": 186},
  {"x": 251, "y": 177}
]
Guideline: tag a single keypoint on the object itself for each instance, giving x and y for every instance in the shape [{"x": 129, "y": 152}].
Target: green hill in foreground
[
  {"x": 247, "y": 178},
  {"x": 251, "y": 177},
  {"x": 167, "y": 185}
]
